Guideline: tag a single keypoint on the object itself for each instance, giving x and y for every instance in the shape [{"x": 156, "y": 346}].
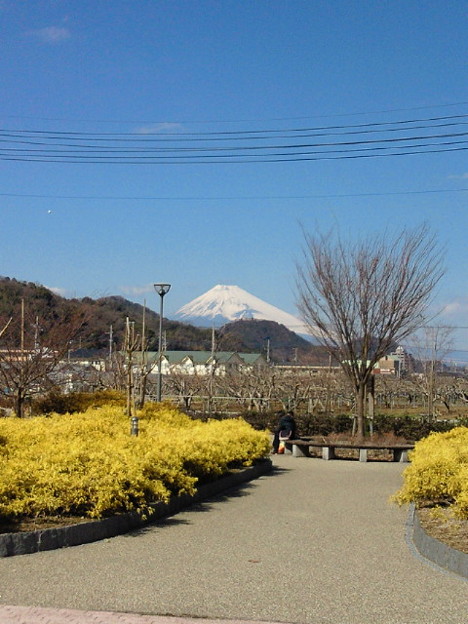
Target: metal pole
[
  {"x": 161, "y": 289},
  {"x": 134, "y": 426},
  {"x": 159, "y": 386}
]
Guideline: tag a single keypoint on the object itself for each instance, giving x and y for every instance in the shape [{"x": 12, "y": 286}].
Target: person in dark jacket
[{"x": 286, "y": 428}]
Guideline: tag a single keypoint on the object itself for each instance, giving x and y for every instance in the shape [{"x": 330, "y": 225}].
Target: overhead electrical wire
[
  {"x": 40, "y": 138},
  {"x": 378, "y": 139},
  {"x": 93, "y": 149},
  {"x": 161, "y": 133},
  {"x": 225, "y": 197},
  {"x": 236, "y": 159},
  {"x": 225, "y": 121}
]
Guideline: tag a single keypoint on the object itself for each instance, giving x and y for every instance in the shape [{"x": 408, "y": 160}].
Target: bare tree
[
  {"x": 5, "y": 327},
  {"x": 30, "y": 353},
  {"x": 131, "y": 345},
  {"x": 360, "y": 298},
  {"x": 146, "y": 367},
  {"x": 431, "y": 345},
  {"x": 185, "y": 387}
]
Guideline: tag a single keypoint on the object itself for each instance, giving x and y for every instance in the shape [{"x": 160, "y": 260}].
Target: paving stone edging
[
  {"x": 75, "y": 534},
  {"x": 444, "y": 556}
]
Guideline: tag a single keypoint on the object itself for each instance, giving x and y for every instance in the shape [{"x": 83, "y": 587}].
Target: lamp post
[{"x": 161, "y": 289}]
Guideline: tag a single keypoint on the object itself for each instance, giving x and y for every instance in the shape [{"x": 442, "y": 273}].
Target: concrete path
[{"x": 314, "y": 543}]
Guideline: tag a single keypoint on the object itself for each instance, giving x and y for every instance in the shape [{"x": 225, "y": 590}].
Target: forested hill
[
  {"x": 100, "y": 316},
  {"x": 42, "y": 306},
  {"x": 281, "y": 344}
]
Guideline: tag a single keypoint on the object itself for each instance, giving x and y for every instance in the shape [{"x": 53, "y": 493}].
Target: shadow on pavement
[{"x": 203, "y": 506}]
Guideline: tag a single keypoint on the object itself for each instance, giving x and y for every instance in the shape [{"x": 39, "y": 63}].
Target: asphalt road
[{"x": 315, "y": 542}]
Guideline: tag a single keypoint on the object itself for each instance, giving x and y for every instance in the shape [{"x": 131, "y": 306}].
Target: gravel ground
[{"x": 315, "y": 542}]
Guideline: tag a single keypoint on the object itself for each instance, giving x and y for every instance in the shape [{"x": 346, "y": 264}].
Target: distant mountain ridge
[
  {"x": 248, "y": 335},
  {"x": 223, "y": 304},
  {"x": 105, "y": 318}
]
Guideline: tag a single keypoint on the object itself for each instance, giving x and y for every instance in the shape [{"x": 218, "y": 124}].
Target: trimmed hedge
[
  {"x": 87, "y": 464},
  {"x": 438, "y": 474},
  {"x": 410, "y": 427}
]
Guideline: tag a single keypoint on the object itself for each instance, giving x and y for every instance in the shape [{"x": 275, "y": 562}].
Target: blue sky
[{"x": 147, "y": 68}]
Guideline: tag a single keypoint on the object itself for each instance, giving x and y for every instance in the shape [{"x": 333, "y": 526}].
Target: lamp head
[{"x": 162, "y": 289}]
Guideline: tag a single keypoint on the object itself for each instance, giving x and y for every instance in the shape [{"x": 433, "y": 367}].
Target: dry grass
[
  {"x": 34, "y": 524},
  {"x": 384, "y": 439},
  {"x": 440, "y": 524}
]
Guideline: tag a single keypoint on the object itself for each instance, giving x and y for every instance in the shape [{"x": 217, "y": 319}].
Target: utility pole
[
  {"x": 144, "y": 360},
  {"x": 212, "y": 370},
  {"x": 22, "y": 327},
  {"x": 36, "y": 334},
  {"x": 432, "y": 365},
  {"x": 213, "y": 341},
  {"x": 111, "y": 339}
]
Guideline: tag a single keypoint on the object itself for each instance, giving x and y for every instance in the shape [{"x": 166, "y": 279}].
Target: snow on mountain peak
[{"x": 222, "y": 304}]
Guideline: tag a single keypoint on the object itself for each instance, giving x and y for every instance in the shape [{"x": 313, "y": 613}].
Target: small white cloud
[
  {"x": 159, "y": 128},
  {"x": 137, "y": 290},
  {"x": 51, "y": 34},
  {"x": 462, "y": 176},
  {"x": 451, "y": 308},
  {"x": 459, "y": 306}
]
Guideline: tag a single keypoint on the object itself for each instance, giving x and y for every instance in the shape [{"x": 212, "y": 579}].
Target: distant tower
[
  {"x": 213, "y": 340},
  {"x": 403, "y": 358}
]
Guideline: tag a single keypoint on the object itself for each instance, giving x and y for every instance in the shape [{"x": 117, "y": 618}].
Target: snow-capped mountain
[{"x": 223, "y": 304}]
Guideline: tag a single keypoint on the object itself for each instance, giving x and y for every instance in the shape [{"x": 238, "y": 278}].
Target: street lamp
[{"x": 161, "y": 289}]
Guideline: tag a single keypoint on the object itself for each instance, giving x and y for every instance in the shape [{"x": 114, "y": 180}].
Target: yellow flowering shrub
[
  {"x": 438, "y": 473},
  {"x": 87, "y": 464}
]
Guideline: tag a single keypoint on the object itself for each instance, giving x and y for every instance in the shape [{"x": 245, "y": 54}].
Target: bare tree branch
[{"x": 360, "y": 298}]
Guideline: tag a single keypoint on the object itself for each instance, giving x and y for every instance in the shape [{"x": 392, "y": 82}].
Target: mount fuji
[{"x": 224, "y": 304}]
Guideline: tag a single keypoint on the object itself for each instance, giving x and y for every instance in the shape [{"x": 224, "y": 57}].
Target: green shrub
[
  {"x": 401, "y": 426},
  {"x": 412, "y": 427}
]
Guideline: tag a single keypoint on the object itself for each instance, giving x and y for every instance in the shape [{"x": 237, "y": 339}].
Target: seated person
[{"x": 286, "y": 429}]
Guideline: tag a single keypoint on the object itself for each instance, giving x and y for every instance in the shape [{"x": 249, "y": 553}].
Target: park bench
[{"x": 302, "y": 448}]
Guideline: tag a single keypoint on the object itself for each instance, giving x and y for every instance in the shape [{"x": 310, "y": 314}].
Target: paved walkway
[{"x": 314, "y": 543}]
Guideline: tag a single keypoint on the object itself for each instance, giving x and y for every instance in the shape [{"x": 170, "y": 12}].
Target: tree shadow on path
[{"x": 206, "y": 505}]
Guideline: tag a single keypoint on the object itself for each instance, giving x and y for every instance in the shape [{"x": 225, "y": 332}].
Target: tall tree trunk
[
  {"x": 360, "y": 409},
  {"x": 19, "y": 404},
  {"x": 370, "y": 391},
  {"x": 143, "y": 384}
]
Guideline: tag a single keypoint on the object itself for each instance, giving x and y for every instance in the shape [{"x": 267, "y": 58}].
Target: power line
[
  {"x": 445, "y": 327},
  {"x": 200, "y": 154},
  {"x": 226, "y": 197},
  {"x": 256, "y": 120},
  {"x": 158, "y": 135},
  {"x": 212, "y": 159},
  {"x": 84, "y": 148},
  {"x": 371, "y": 140}
]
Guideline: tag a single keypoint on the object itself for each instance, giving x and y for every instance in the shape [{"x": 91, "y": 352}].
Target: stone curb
[
  {"x": 49, "y": 539},
  {"x": 439, "y": 553}
]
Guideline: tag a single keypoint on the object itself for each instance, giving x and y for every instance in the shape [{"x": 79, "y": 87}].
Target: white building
[{"x": 205, "y": 362}]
